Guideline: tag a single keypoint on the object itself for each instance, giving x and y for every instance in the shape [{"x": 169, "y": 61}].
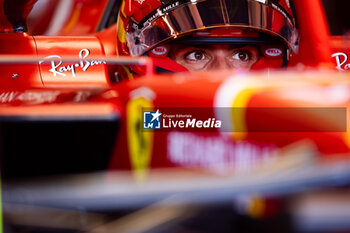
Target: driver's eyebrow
[
  {"x": 187, "y": 47},
  {"x": 241, "y": 46},
  {"x": 210, "y": 47}
]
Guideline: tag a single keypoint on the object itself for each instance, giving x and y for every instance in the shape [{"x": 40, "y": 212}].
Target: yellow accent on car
[
  {"x": 127, "y": 72},
  {"x": 238, "y": 113},
  {"x": 120, "y": 28},
  {"x": 257, "y": 207},
  {"x": 140, "y": 142}
]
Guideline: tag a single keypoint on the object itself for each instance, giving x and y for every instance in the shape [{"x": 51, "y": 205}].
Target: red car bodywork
[
  {"x": 83, "y": 87},
  {"x": 62, "y": 111}
]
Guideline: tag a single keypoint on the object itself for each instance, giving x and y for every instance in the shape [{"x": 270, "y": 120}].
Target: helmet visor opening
[{"x": 180, "y": 18}]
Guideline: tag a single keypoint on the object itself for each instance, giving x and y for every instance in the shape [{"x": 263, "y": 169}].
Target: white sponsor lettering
[
  {"x": 160, "y": 12},
  {"x": 81, "y": 96},
  {"x": 170, "y": 7},
  {"x": 341, "y": 60},
  {"x": 150, "y": 19},
  {"x": 216, "y": 153},
  {"x": 273, "y": 52},
  {"x": 29, "y": 97},
  {"x": 39, "y": 97},
  {"x": 160, "y": 50},
  {"x": 6, "y": 97},
  {"x": 84, "y": 64}
]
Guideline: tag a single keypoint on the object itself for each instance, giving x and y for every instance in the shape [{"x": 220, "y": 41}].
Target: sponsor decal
[
  {"x": 29, "y": 97},
  {"x": 216, "y": 153},
  {"x": 57, "y": 69},
  {"x": 273, "y": 52},
  {"x": 159, "y": 12},
  {"x": 341, "y": 61},
  {"x": 40, "y": 97},
  {"x": 160, "y": 50}
]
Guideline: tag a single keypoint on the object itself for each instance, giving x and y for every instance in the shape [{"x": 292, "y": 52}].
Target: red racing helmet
[{"x": 151, "y": 27}]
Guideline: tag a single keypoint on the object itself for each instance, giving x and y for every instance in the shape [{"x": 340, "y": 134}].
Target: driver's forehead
[{"x": 181, "y": 48}]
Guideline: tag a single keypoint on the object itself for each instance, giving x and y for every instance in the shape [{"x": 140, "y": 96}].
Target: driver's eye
[
  {"x": 242, "y": 55},
  {"x": 196, "y": 56}
]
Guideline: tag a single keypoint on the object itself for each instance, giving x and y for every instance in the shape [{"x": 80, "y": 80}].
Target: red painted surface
[
  {"x": 314, "y": 48},
  {"x": 179, "y": 90},
  {"x": 16, "y": 75},
  {"x": 82, "y": 17},
  {"x": 78, "y": 72}
]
